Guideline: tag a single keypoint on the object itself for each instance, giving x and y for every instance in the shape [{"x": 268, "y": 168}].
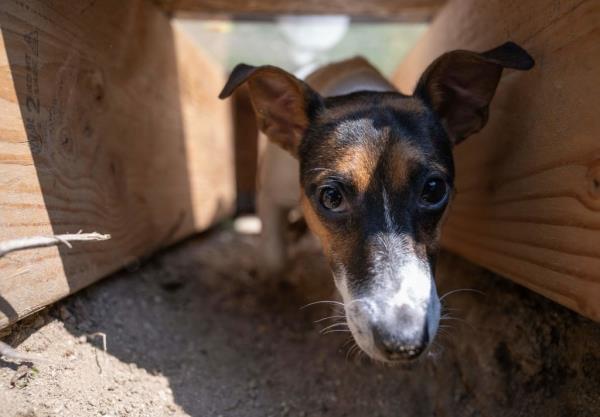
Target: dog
[
  {"x": 376, "y": 176},
  {"x": 278, "y": 192}
]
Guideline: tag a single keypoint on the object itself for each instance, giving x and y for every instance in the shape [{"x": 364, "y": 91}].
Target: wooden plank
[
  {"x": 109, "y": 122},
  {"x": 412, "y": 10},
  {"x": 528, "y": 203},
  {"x": 245, "y": 132}
]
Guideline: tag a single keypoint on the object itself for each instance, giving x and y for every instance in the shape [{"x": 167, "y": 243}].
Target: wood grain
[
  {"x": 411, "y": 10},
  {"x": 109, "y": 123},
  {"x": 528, "y": 203},
  {"x": 245, "y": 132}
]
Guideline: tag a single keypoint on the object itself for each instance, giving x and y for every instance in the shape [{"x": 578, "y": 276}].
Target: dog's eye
[
  {"x": 434, "y": 194},
  {"x": 332, "y": 199}
]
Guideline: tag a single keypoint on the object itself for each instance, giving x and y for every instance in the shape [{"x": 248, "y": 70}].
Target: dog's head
[{"x": 377, "y": 174}]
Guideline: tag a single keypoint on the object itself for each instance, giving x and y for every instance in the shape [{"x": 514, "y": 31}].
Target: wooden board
[
  {"x": 412, "y": 10},
  {"x": 528, "y": 203},
  {"x": 109, "y": 122},
  {"x": 245, "y": 132}
]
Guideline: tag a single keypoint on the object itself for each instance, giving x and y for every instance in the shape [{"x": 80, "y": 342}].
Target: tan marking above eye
[
  {"x": 361, "y": 157},
  {"x": 360, "y": 161},
  {"x": 402, "y": 159},
  {"x": 357, "y": 148},
  {"x": 359, "y": 166}
]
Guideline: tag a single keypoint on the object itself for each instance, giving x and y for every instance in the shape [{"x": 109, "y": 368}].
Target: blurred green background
[{"x": 258, "y": 43}]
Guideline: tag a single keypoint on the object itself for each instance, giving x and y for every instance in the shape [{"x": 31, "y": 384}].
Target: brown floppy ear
[
  {"x": 283, "y": 104},
  {"x": 460, "y": 85}
]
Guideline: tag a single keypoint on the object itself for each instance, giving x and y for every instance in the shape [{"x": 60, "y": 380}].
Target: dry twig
[
  {"x": 8, "y": 246},
  {"x": 9, "y": 353},
  {"x": 103, "y": 338},
  {"x": 44, "y": 241}
]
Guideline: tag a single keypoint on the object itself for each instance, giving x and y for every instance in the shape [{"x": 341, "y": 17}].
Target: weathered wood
[
  {"x": 245, "y": 132},
  {"x": 109, "y": 123},
  {"x": 528, "y": 203},
  {"x": 413, "y": 10}
]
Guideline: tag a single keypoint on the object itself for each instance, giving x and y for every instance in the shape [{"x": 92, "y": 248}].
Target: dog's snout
[
  {"x": 397, "y": 320},
  {"x": 396, "y": 345}
]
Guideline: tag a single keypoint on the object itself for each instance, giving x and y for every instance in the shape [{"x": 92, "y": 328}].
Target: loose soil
[{"x": 194, "y": 332}]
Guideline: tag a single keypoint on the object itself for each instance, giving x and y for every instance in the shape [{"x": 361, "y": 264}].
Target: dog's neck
[{"x": 349, "y": 76}]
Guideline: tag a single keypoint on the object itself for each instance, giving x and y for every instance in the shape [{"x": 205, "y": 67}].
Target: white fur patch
[
  {"x": 360, "y": 129},
  {"x": 415, "y": 288},
  {"x": 400, "y": 281}
]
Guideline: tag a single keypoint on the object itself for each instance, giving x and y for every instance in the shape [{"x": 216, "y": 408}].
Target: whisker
[
  {"x": 453, "y": 318},
  {"x": 438, "y": 341},
  {"x": 322, "y": 302},
  {"x": 361, "y": 354},
  {"x": 336, "y": 330},
  {"x": 463, "y": 321},
  {"x": 443, "y": 332},
  {"x": 333, "y": 326},
  {"x": 357, "y": 354},
  {"x": 350, "y": 350},
  {"x": 349, "y": 340},
  {"x": 442, "y": 340},
  {"x": 461, "y": 290},
  {"x": 329, "y": 317}
]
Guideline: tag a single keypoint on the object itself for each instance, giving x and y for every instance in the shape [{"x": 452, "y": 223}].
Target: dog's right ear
[{"x": 283, "y": 103}]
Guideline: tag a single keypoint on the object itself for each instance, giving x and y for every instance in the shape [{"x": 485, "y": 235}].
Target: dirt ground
[{"x": 194, "y": 333}]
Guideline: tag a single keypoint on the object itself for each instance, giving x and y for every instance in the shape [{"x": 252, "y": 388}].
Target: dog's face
[{"x": 377, "y": 175}]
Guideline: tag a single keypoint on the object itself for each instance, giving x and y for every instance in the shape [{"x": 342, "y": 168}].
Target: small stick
[
  {"x": 8, "y": 246},
  {"x": 44, "y": 241},
  {"x": 103, "y": 337},
  {"x": 9, "y": 353}
]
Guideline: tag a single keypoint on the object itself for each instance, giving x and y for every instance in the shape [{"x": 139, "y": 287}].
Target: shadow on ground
[{"x": 194, "y": 333}]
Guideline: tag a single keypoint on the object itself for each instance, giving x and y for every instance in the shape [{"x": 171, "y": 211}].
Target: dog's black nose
[{"x": 399, "y": 346}]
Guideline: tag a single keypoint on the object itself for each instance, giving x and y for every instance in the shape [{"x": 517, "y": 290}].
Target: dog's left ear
[
  {"x": 283, "y": 104},
  {"x": 460, "y": 85}
]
